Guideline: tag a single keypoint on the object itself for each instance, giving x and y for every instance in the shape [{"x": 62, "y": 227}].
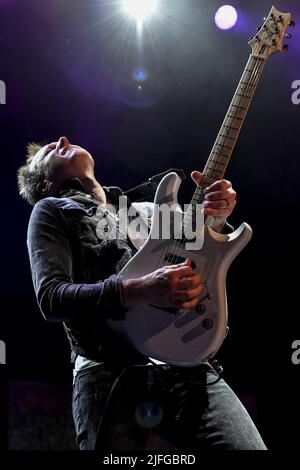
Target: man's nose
[{"x": 63, "y": 142}]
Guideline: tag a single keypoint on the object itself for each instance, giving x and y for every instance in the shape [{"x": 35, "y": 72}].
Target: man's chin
[{"x": 81, "y": 156}]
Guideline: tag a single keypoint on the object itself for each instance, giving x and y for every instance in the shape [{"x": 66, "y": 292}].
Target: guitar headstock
[{"x": 269, "y": 37}]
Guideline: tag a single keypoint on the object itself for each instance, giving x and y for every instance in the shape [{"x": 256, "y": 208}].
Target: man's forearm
[{"x": 68, "y": 301}]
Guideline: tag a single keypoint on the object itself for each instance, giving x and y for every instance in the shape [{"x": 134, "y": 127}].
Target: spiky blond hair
[{"x": 28, "y": 178}]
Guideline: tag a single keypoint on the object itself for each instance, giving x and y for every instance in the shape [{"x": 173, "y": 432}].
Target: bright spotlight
[
  {"x": 140, "y": 9},
  {"x": 226, "y": 17}
]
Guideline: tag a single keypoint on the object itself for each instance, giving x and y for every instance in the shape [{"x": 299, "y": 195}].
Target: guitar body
[{"x": 182, "y": 337}]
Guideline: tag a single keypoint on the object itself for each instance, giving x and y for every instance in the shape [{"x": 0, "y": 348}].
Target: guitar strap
[{"x": 146, "y": 191}]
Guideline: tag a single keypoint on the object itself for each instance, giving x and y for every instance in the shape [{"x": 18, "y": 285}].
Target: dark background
[{"x": 67, "y": 65}]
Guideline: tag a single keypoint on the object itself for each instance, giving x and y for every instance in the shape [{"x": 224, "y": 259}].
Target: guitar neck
[
  {"x": 223, "y": 147},
  {"x": 266, "y": 42}
]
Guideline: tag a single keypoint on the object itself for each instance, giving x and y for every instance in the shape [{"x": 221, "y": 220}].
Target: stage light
[
  {"x": 226, "y": 17},
  {"x": 140, "y": 10}
]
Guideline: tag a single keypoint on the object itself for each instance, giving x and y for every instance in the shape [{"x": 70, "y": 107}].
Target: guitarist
[{"x": 121, "y": 399}]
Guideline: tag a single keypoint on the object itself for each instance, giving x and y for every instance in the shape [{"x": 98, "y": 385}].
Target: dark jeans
[{"x": 152, "y": 407}]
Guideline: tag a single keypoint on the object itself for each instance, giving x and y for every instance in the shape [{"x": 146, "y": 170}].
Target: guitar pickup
[{"x": 172, "y": 310}]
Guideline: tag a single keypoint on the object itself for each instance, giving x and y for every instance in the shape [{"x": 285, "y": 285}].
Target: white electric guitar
[{"x": 186, "y": 337}]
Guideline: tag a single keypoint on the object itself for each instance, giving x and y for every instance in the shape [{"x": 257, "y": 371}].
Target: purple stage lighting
[{"x": 226, "y": 17}]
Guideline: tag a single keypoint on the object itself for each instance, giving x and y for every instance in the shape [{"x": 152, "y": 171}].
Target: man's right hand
[{"x": 170, "y": 286}]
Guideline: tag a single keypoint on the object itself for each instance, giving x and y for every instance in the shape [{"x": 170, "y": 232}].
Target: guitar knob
[
  {"x": 200, "y": 309},
  {"x": 207, "y": 324},
  {"x": 288, "y": 35},
  {"x": 292, "y": 24},
  {"x": 285, "y": 47}
]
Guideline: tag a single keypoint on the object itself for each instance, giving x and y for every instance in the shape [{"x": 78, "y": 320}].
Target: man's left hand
[{"x": 219, "y": 201}]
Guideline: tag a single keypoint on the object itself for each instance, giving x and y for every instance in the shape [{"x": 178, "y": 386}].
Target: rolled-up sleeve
[{"x": 51, "y": 261}]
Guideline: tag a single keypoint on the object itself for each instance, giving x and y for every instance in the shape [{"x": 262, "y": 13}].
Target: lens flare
[
  {"x": 226, "y": 17},
  {"x": 140, "y": 74},
  {"x": 149, "y": 414}
]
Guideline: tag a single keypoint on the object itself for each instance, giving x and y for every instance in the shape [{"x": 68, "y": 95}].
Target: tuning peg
[
  {"x": 288, "y": 35},
  {"x": 285, "y": 47},
  {"x": 292, "y": 24}
]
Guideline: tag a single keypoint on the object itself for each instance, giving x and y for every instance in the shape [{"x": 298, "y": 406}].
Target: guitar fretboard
[
  {"x": 231, "y": 127},
  {"x": 225, "y": 142}
]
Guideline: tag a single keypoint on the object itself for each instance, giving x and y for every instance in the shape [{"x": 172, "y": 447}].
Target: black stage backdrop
[{"x": 70, "y": 68}]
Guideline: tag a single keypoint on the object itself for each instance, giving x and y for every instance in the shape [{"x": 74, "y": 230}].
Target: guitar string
[
  {"x": 252, "y": 82},
  {"x": 176, "y": 247}
]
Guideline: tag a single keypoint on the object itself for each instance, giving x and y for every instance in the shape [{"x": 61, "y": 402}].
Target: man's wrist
[
  {"x": 132, "y": 293},
  {"x": 219, "y": 228},
  {"x": 222, "y": 227},
  {"x": 216, "y": 225}
]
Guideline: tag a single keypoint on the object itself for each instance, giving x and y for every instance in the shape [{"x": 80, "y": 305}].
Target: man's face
[{"x": 64, "y": 161}]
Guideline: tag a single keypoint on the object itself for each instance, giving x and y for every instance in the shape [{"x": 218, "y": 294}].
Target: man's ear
[{"x": 44, "y": 187}]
